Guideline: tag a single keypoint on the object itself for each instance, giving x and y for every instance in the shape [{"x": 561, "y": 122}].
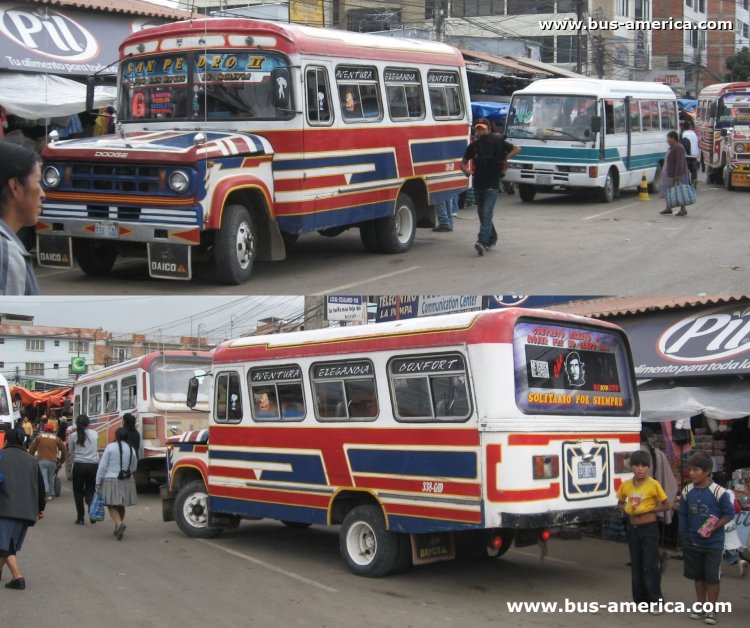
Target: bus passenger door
[{"x": 320, "y": 141}]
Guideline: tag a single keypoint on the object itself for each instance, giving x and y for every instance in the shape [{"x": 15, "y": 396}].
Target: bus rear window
[{"x": 571, "y": 370}]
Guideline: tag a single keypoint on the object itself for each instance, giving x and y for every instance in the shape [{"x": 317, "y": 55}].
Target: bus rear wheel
[
  {"x": 396, "y": 233},
  {"x": 366, "y": 546},
  {"x": 191, "y": 511},
  {"x": 94, "y": 258},
  {"x": 526, "y": 192},
  {"x": 369, "y": 236},
  {"x": 236, "y": 246}
]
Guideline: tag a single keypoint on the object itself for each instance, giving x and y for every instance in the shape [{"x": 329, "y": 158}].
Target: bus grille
[{"x": 131, "y": 178}]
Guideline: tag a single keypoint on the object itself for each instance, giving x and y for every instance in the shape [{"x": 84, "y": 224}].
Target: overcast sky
[{"x": 174, "y": 316}]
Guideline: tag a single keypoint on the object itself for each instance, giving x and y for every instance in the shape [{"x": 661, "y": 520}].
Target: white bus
[
  {"x": 6, "y": 409},
  {"x": 579, "y": 134},
  {"x": 152, "y": 388},
  {"x": 424, "y": 438}
]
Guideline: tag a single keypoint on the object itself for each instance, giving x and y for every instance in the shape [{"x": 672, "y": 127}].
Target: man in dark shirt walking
[{"x": 484, "y": 159}]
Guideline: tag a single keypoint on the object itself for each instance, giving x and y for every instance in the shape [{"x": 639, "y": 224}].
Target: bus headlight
[
  {"x": 739, "y": 147},
  {"x": 51, "y": 177},
  {"x": 179, "y": 181},
  {"x": 579, "y": 169}
]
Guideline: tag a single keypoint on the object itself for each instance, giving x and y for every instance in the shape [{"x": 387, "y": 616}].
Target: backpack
[{"x": 686, "y": 145}]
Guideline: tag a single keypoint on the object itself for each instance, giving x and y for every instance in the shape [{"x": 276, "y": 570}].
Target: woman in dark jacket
[
  {"x": 675, "y": 170},
  {"x": 22, "y": 502}
]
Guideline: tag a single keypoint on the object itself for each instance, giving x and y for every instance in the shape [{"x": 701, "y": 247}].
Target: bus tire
[
  {"x": 526, "y": 192},
  {"x": 297, "y": 525},
  {"x": 366, "y": 546},
  {"x": 396, "y": 233},
  {"x": 236, "y": 246},
  {"x": 369, "y": 236},
  {"x": 728, "y": 179},
  {"x": 607, "y": 193},
  {"x": 191, "y": 511},
  {"x": 655, "y": 186},
  {"x": 94, "y": 258},
  {"x": 404, "y": 560}
]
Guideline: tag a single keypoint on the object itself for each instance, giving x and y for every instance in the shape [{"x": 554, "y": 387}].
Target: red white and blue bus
[
  {"x": 423, "y": 438},
  {"x": 237, "y": 135},
  {"x": 723, "y": 127},
  {"x": 153, "y": 388}
]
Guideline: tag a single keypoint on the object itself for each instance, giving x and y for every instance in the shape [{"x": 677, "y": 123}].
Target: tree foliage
[{"x": 738, "y": 66}]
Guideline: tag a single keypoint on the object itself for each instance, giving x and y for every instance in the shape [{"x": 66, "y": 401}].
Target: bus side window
[
  {"x": 265, "y": 404},
  {"x": 344, "y": 390},
  {"x": 128, "y": 393},
  {"x": 228, "y": 407},
  {"x": 412, "y": 397},
  {"x": 95, "y": 400},
  {"x": 635, "y": 117},
  {"x": 110, "y": 396}
]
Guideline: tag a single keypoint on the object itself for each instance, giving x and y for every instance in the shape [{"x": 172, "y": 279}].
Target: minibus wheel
[
  {"x": 728, "y": 178},
  {"x": 236, "y": 246},
  {"x": 607, "y": 193},
  {"x": 526, "y": 192},
  {"x": 191, "y": 511},
  {"x": 396, "y": 233},
  {"x": 369, "y": 237},
  {"x": 366, "y": 546},
  {"x": 94, "y": 258}
]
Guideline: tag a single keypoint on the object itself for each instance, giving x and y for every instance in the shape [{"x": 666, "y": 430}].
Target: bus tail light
[
  {"x": 496, "y": 542},
  {"x": 593, "y": 172},
  {"x": 546, "y": 467},
  {"x": 622, "y": 462},
  {"x": 545, "y": 535}
]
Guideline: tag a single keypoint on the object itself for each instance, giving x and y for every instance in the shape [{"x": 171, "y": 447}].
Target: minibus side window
[
  {"x": 446, "y": 100},
  {"x": 318, "y": 97},
  {"x": 110, "y": 396},
  {"x": 359, "y": 96},
  {"x": 95, "y": 400},
  {"x": 429, "y": 387},
  {"x": 276, "y": 393},
  {"x": 128, "y": 393},
  {"x": 344, "y": 391}
]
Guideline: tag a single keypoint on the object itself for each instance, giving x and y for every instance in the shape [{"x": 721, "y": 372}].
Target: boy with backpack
[{"x": 705, "y": 508}]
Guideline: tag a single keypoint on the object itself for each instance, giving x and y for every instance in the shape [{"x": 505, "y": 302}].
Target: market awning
[
  {"x": 719, "y": 398},
  {"x": 35, "y": 96},
  {"x": 533, "y": 65},
  {"x": 505, "y": 62}
]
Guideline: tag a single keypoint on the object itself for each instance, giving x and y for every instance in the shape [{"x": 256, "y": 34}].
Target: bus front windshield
[
  {"x": 550, "y": 117},
  {"x": 169, "y": 382},
  {"x": 206, "y": 86},
  {"x": 734, "y": 110}
]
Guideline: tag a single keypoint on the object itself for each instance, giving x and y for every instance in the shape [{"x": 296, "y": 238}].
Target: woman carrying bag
[
  {"x": 115, "y": 481},
  {"x": 676, "y": 174}
]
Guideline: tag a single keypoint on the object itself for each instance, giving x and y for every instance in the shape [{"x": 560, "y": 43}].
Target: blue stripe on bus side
[
  {"x": 444, "y": 464},
  {"x": 426, "y": 152},
  {"x": 544, "y": 154},
  {"x": 280, "y": 512},
  {"x": 304, "y": 469},
  {"x": 419, "y": 525},
  {"x": 384, "y": 165}
]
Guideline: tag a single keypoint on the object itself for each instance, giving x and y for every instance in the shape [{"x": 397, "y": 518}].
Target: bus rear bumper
[{"x": 555, "y": 519}]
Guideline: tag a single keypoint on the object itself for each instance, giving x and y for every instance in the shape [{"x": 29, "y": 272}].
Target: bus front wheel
[
  {"x": 366, "y": 546},
  {"x": 236, "y": 246},
  {"x": 728, "y": 179},
  {"x": 94, "y": 258},
  {"x": 396, "y": 233},
  {"x": 191, "y": 511},
  {"x": 526, "y": 192},
  {"x": 607, "y": 193}
]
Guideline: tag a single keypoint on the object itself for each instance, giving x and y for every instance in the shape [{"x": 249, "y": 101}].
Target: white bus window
[
  {"x": 358, "y": 93},
  {"x": 4, "y": 402},
  {"x": 650, "y": 115},
  {"x": 668, "y": 116},
  {"x": 635, "y": 117},
  {"x": 446, "y": 99},
  {"x": 344, "y": 391},
  {"x": 614, "y": 112},
  {"x": 277, "y": 393},
  {"x": 404, "y": 90},
  {"x": 110, "y": 396},
  {"x": 318, "y": 96},
  {"x": 128, "y": 393},
  {"x": 228, "y": 406},
  {"x": 95, "y": 400},
  {"x": 430, "y": 387}
]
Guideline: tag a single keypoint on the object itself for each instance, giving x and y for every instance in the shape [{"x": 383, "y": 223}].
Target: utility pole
[
  {"x": 441, "y": 9},
  {"x": 579, "y": 36}
]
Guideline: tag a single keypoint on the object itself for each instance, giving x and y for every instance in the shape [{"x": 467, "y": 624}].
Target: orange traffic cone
[{"x": 643, "y": 189}]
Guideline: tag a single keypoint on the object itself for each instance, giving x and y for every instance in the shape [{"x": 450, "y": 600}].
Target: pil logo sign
[
  {"x": 707, "y": 336},
  {"x": 49, "y": 33}
]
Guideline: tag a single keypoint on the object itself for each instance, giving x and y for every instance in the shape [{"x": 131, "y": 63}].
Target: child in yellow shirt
[{"x": 641, "y": 498}]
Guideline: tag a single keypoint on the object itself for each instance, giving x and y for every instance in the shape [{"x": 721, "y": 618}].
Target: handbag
[
  {"x": 96, "y": 508},
  {"x": 680, "y": 194}
]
